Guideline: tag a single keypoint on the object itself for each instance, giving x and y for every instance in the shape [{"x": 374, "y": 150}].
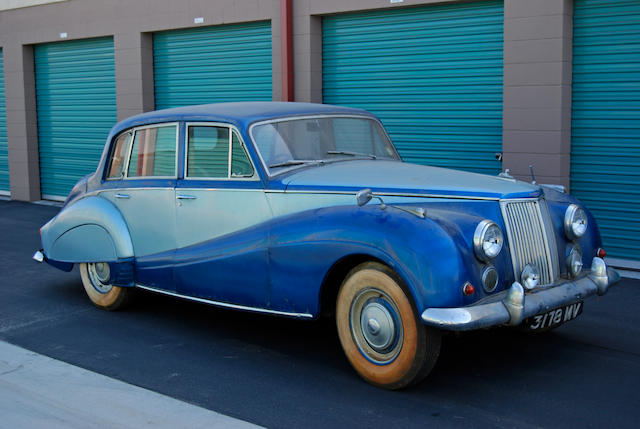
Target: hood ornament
[
  {"x": 506, "y": 174},
  {"x": 365, "y": 195}
]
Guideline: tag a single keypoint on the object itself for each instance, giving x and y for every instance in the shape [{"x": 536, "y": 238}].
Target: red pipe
[{"x": 286, "y": 45}]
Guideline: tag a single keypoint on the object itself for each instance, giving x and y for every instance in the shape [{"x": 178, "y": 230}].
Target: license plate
[{"x": 554, "y": 318}]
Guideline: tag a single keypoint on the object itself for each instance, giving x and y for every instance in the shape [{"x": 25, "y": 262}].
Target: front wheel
[
  {"x": 380, "y": 331},
  {"x": 96, "y": 281}
]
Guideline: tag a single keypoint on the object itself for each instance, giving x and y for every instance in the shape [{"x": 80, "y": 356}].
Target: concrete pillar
[
  {"x": 22, "y": 128},
  {"x": 537, "y": 89},
  {"x": 134, "y": 73},
  {"x": 307, "y": 55}
]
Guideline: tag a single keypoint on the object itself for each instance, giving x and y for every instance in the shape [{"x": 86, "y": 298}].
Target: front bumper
[{"x": 514, "y": 305}]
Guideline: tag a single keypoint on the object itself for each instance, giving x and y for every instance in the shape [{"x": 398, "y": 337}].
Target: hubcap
[
  {"x": 376, "y": 326},
  {"x": 100, "y": 274}
]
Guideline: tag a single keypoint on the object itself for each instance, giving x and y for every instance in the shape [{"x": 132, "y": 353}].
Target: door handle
[
  {"x": 185, "y": 197},
  {"x": 123, "y": 196}
]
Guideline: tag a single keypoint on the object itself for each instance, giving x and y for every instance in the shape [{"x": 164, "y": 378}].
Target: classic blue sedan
[{"x": 301, "y": 210}]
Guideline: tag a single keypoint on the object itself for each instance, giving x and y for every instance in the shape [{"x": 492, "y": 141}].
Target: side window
[
  {"x": 119, "y": 154},
  {"x": 240, "y": 164},
  {"x": 153, "y": 152},
  {"x": 208, "y": 152}
]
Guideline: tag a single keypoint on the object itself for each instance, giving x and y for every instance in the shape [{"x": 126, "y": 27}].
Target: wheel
[
  {"x": 95, "y": 279},
  {"x": 379, "y": 329}
]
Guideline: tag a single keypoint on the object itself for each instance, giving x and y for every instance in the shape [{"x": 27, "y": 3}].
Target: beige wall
[{"x": 537, "y": 66}]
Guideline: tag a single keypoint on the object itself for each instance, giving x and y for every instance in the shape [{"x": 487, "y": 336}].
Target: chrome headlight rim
[
  {"x": 479, "y": 240},
  {"x": 573, "y": 229}
]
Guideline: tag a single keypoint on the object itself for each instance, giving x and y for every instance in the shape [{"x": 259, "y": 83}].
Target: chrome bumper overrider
[
  {"x": 38, "y": 256},
  {"x": 515, "y": 305}
]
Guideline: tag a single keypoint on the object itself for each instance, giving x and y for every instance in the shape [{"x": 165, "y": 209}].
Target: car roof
[{"x": 241, "y": 113}]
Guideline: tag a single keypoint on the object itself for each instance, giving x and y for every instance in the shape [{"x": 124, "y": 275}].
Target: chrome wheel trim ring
[
  {"x": 100, "y": 274},
  {"x": 376, "y": 326}
]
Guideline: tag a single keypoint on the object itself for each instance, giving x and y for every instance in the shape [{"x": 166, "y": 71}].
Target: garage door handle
[
  {"x": 123, "y": 196},
  {"x": 185, "y": 197}
]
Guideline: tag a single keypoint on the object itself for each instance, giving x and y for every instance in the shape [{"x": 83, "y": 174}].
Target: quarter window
[
  {"x": 153, "y": 152},
  {"x": 119, "y": 156},
  {"x": 216, "y": 152},
  {"x": 240, "y": 164}
]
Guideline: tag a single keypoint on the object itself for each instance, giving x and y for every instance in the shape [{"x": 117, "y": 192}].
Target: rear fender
[{"x": 89, "y": 230}]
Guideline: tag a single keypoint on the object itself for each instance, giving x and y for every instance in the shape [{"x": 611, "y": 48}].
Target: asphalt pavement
[{"x": 285, "y": 373}]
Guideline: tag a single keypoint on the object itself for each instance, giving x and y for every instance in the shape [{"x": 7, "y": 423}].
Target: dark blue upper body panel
[{"x": 239, "y": 114}]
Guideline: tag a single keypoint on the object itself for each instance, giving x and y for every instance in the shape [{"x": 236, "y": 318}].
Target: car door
[
  {"x": 142, "y": 187},
  {"x": 221, "y": 220}
]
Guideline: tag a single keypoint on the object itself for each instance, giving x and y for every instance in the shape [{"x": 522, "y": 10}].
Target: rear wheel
[
  {"x": 380, "y": 331},
  {"x": 96, "y": 278}
]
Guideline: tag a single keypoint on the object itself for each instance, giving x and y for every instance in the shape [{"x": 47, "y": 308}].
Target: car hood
[{"x": 400, "y": 177}]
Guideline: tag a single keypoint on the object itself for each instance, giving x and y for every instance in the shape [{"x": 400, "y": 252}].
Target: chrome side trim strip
[
  {"x": 385, "y": 194},
  {"x": 226, "y": 304}
]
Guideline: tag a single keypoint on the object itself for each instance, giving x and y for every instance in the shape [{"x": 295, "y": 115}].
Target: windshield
[{"x": 294, "y": 142}]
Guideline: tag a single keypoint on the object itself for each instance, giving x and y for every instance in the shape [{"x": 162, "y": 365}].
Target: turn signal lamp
[
  {"x": 468, "y": 289},
  {"x": 601, "y": 253}
]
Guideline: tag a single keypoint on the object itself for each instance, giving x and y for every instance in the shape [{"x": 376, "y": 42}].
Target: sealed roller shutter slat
[
  {"x": 4, "y": 151},
  {"x": 212, "y": 65},
  {"x": 432, "y": 74},
  {"x": 605, "y": 143},
  {"x": 76, "y": 102}
]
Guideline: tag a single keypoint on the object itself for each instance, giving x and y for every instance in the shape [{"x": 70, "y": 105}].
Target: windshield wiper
[
  {"x": 345, "y": 152},
  {"x": 295, "y": 162}
]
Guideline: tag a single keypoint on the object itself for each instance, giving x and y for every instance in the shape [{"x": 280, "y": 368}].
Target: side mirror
[{"x": 363, "y": 197}]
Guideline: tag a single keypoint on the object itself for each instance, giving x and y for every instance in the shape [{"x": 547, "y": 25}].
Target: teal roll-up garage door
[
  {"x": 605, "y": 143},
  {"x": 212, "y": 65},
  {"x": 76, "y": 101},
  {"x": 4, "y": 152},
  {"x": 432, "y": 74}
]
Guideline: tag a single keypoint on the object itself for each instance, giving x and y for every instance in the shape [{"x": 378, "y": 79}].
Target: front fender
[
  {"x": 304, "y": 247},
  {"x": 89, "y": 230}
]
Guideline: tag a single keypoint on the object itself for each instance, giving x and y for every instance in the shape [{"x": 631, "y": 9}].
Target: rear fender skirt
[{"x": 89, "y": 230}]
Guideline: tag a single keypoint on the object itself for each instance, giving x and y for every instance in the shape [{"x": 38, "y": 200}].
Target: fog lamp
[
  {"x": 574, "y": 260},
  {"x": 530, "y": 276},
  {"x": 489, "y": 279}
]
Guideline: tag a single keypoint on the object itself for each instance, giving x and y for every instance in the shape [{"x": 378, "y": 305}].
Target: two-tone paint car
[{"x": 301, "y": 210}]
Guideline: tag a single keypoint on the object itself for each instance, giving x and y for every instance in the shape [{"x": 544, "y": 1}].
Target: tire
[
  {"x": 380, "y": 331},
  {"x": 95, "y": 279}
]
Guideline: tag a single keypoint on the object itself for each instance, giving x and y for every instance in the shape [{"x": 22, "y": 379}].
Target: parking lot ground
[
  {"x": 286, "y": 373},
  {"x": 39, "y": 392}
]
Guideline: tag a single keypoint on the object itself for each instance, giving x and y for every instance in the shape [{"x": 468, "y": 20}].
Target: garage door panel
[
  {"x": 4, "y": 152},
  {"x": 76, "y": 101},
  {"x": 432, "y": 74},
  {"x": 605, "y": 144},
  {"x": 213, "y": 64}
]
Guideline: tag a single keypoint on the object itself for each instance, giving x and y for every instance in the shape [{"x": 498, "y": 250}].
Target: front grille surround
[{"x": 531, "y": 238}]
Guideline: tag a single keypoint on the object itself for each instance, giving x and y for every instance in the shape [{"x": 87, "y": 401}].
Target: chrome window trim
[
  {"x": 293, "y": 118},
  {"x": 134, "y": 130},
  {"x": 226, "y": 304},
  {"x": 232, "y": 129}
]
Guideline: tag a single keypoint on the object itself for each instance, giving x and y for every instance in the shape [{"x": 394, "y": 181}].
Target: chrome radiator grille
[{"x": 531, "y": 237}]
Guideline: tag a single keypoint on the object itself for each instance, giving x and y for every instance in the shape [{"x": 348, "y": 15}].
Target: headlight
[
  {"x": 575, "y": 222},
  {"x": 487, "y": 240}
]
